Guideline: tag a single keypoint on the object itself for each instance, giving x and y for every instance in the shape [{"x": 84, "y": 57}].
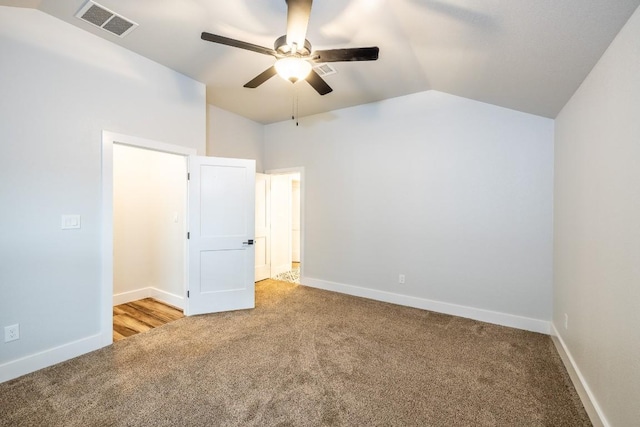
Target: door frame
[
  {"x": 106, "y": 235},
  {"x": 303, "y": 228}
]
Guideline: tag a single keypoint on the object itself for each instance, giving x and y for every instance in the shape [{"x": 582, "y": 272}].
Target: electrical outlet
[
  {"x": 11, "y": 333},
  {"x": 401, "y": 279},
  {"x": 566, "y": 321}
]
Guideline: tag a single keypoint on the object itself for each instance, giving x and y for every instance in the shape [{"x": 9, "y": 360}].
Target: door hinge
[
  {"x": 188, "y": 235},
  {"x": 187, "y": 294},
  {"x": 188, "y": 176}
]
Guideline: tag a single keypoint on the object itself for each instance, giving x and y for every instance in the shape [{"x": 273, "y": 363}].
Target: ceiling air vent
[
  {"x": 102, "y": 17},
  {"x": 324, "y": 69}
]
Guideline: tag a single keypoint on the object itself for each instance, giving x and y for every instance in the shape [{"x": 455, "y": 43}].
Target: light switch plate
[{"x": 70, "y": 222}]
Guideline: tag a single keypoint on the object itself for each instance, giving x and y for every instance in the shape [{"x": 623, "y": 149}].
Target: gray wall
[
  {"x": 231, "y": 135},
  {"x": 453, "y": 193},
  {"x": 61, "y": 86},
  {"x": 597, "y": 231}
]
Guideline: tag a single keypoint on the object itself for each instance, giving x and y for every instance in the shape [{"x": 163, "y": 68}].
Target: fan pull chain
[{"x": 295, "y": 106}]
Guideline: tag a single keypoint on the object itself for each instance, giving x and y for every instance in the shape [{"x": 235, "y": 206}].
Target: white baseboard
[
  {"x": 34, "y": 362},
  {"x": 149, "y": 292},
  {"x": 167, "y": 298},
  {"x": 589, "y": 401},
  {"x": 503, "y": 319},
  {"x": 135, "y": 295}
]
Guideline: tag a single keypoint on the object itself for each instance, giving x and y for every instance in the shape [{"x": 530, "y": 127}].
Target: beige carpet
[{"x": 306, "y": 357}]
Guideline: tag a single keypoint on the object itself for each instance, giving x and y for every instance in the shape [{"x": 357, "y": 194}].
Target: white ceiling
[{"x": 528, "y": 55}]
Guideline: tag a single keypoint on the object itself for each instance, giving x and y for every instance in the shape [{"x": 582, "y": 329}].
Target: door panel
[
  {"x": 223, "y": 183},
  {"x": 221, "y": 223},
  {"x": 262, "y": 240},
  {"x": 280, "y": 224},
  {"x": 222, "y": 271},
  {"x": 295, "y": 221}
]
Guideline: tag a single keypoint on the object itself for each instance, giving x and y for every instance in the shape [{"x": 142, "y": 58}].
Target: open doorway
[
  {"x": 133, "y": 284},
  {"x": 149, "y": 246},
  {"x": 286, "y": 230},
  {"x": 218, "y": 248},
  {"x": 296, "y": 230},
  {"x": 279, "y": 224}
]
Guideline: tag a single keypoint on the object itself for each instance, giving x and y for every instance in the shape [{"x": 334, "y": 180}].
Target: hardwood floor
[
  {"x": 145, "y": 314},
  {"x": 140, "y": 316}
]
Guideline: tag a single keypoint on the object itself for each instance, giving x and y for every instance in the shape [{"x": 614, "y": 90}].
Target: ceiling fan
[{"x": 293, "y": 51}]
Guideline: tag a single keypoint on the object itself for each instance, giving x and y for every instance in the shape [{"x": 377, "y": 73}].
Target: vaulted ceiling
[{"x": 528, "y": 55}]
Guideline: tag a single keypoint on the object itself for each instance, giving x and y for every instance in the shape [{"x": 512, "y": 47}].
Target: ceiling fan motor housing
[{"x": 283, "y": 48}]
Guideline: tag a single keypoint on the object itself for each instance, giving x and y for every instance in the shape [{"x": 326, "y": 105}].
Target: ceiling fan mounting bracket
[{"x": 284, "y": 49}]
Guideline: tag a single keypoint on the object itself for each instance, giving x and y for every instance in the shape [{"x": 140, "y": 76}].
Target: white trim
[
  {"x": 503, "y": 319},
  {"x": 106, "y": 286},
  {"x": 167, "y": 297},
  {"x": 51, "y": 356},
  {"x": 129, "y": 296},
  {"x": 303, "y": 228},
  {"x": 106, "y": 295},
  {"x": 579, "y": 382},
  {"x": 149, "y": 144},
  {"x": 149, "y": 292}
]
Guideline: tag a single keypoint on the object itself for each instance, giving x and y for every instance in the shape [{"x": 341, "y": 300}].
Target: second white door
[
  {"x": 263, "y": 226},
  {"x": 221, "y": 227},
  {"x": 280, "y": 224}
]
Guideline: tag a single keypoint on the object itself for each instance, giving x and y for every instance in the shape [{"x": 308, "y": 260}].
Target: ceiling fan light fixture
[{"x": 292, "y": 68}]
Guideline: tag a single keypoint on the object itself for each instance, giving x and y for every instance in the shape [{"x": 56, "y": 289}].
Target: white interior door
[
  {"x": 262, "y": 240},
  {"x": 280, "y": 224},
  {"x": 221, "y": 228},
  {"x": 295, "y": 220}
]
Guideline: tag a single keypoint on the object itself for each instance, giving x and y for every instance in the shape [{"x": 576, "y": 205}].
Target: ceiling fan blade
[
  {"x": 318, "y": 83},
  {"x": 237, "y": 43},
  {"x": 349, "y": 54},
  {"x": 261, "y": 78},
  {"x": 298, "y": 13}
]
